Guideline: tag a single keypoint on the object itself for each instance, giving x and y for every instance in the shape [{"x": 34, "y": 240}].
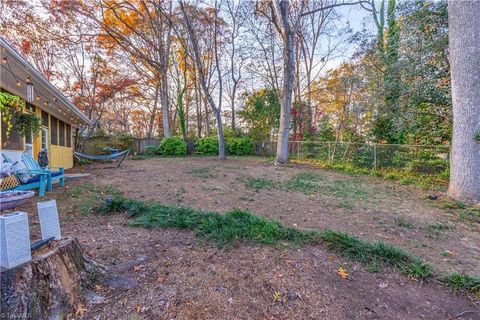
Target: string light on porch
[{"x": 38, "y": 97}]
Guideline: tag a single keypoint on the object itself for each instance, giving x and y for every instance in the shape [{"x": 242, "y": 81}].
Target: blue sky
[{"x": 358, "y": 19}]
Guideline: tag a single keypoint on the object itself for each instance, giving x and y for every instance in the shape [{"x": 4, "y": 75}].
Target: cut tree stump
[{"x": 51, "y": 285}]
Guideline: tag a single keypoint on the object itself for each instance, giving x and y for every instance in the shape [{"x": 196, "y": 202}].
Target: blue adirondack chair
[
  {"x": 36, "y": 179},
  {"x": 32, "y": 166}
]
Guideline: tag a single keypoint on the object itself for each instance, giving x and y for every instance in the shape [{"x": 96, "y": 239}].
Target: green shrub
[
  {"x": 428, "y": 166},
  {"x": 363, "y": 157},
  {"x": 207, "y": 146},
  {"x": 172, "y": 146},
  {"x": 151, "y": 150},
  {"x": 239, "y": 146}
]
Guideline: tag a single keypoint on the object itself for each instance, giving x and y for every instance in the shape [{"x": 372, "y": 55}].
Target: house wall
[{"x": 59, "y": 156}]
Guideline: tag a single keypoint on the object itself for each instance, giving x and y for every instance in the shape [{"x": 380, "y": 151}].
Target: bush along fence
[{"x": 408, "y": 162}]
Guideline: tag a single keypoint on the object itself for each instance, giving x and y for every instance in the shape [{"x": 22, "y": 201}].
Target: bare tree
[
  {"x": 147, "y": 37},
  {"x": 197, "y": 57},
  {"x": 236, "y": 51}
]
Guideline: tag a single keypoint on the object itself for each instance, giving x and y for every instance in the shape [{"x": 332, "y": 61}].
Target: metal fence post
[{"x": 374, "y": 156}]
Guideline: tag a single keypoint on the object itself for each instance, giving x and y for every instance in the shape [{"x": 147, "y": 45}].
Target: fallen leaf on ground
[
  {"x": 137, "y": 268},
  {"x": 450, "y": 253},
  {"x": 342, "y": 273},
  {"x": 276, "y": 296},
  {"x": 80, "y": 310},
  {"x": 138, "y": 308}
]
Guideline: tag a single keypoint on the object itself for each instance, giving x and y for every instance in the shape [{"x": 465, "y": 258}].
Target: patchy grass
[
  {"x": 311, "y": 183},
  {"x": 435, "y": 230},
  {"x": 346, "y": 189},
  {"x": 204, "y": 173},
  {"x": 298, "y": 184},
  {"x": 403, "y": 222},
  {"x": 259, "y": 183},
  {"x": 463, "y": 282},
  {"x": 463, "y": 211},
  {"x": 92, "y": 196},
  {"x": 238, "y": 225},
  {"x": 423, "y": 181},
  {"x": 471, "y": 214}
]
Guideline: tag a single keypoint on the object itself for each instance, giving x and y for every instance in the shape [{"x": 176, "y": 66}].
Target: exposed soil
[{"x": 186, "y": 278}]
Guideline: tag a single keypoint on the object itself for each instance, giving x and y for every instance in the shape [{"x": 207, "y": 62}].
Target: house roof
[{"x": 16, "y": 72}]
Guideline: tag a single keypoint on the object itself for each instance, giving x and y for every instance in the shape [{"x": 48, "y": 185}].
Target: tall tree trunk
[
  {"x": 164, "y": 102},
  {"x": 217, "y": 110},
  {"x": 288, "y": 78},
  {"x": 153, "y": 113},
  {"x": 234, "y": 93},
  {"x": 464, "y": 37}
]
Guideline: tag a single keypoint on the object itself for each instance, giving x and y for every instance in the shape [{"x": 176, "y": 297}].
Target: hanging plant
[
  {"x": 477, "y": 136},
  {"x": 27, "y": 124},
  {"x": 9, "y": 104}
]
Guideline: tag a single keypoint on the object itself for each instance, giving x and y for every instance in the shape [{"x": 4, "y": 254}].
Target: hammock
[{"x": 106, "y": 157}]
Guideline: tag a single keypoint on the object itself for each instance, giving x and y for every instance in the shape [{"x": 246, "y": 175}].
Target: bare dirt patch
[{"x": 186, "y": 278}]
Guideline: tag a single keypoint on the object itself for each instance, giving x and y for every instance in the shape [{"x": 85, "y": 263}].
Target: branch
[{"x": 361, "y": 2}]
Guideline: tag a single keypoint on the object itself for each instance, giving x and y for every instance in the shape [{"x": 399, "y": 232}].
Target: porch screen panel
[
  {"x": 61, "y": 133},
  {"x": 54, "y": 130},
  {"x": 13, "y": 141},
  {"x": 69, "y": 135}
]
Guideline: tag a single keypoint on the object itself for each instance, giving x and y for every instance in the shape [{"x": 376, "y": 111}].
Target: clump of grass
[
  {"x": 204, "y": 173},
  {"x": 463, "y": 282},
  {"x": 296, "y": 183},
  {"x": 309, "y": 176},
  {"x": 375, "y": 254},
  {"x": 462, "y": 210},
  {"x": 346, "y": 189},
  {"x": 224, "y": 230},
  {"x": 447, "y": 204},
  {"x": 403, "y": 222},
  {"x": 437, "y": 228},
  {"x": 471, "y": 214},
  {"x": 259, "y": 183}
]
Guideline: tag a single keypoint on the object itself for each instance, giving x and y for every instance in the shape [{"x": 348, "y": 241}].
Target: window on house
[
  {"x": 69, "y": 135},
  {"x": 44, "y": 119},
  {"x": 61, "y": 133},
  {"x": 30, "y": 107},
  {"x": 54, "y": 130},
  {"x": 30, "y": 92},
  {"x": 13, "y": 141}
]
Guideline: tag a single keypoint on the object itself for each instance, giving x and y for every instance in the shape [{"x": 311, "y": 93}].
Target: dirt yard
[{"x": 179, "y": 276}]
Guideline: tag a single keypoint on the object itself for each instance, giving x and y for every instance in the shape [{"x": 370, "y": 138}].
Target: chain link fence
[{"x": 419, "y": 159}]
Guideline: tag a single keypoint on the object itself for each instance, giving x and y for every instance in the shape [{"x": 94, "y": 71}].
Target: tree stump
[{"x": 51, "y": 285}]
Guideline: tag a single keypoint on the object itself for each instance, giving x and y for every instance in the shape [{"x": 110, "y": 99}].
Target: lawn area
[{"x": 190, "y": 268}]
